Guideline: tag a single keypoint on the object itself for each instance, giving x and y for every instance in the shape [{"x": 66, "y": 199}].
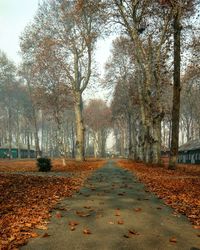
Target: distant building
[
  {"x": 17, "y": 152},
  {"x": 190, "y": 152}
]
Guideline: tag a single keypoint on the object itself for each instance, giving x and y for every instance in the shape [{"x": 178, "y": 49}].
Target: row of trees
[
  {"x": 144, "y": 72},
  {"x": 44, "y": 116},
  {"x": 145, "y": 69}
]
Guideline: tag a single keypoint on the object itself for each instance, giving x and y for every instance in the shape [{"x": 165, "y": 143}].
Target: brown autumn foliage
[
  {"x": 179, "y": 188},
  {"x": 29, "y": 165},
  {"x": 26, "y": 201}
]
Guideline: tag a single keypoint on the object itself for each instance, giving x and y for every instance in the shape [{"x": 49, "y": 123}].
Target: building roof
[
  {"x": 14, "y": 146},
  {"x": 191, "y": 145}
]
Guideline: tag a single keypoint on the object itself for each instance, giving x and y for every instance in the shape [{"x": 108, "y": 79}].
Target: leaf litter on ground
[
  {"x": 26, "y": 201},
  {"x": 178, "y": 188}
]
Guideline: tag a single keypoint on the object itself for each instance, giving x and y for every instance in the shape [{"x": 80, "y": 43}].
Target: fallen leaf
[
  {"x": 11, "y": 238},
  {"x": 87, "y": 207},
  {"x": 28, "y": 224},
  {"x": 73, "y": 223},
  {"x": 117, "y": 212},
  {"x": 111, "y": 222},
  {"x": 138, "y": 209},
  {"x": 120, "y": 222},
  {"x": 159, "y": 208},
  {"x": 34, "y": 235},
  {"x": 41, "y": 227},
  {"x": 126, "y": 236},
  {"x": 173, "y": 240},
  {"x": 45, "y": 235},
  {"x": 72, "y": 228},
  {"x": 82, "y": 214},
  {"x": 196, "y": 227},
  {"x": 58, "y": 215},
  {"x": 87, "y": 231},
  {"x": 133, "y": 232}
]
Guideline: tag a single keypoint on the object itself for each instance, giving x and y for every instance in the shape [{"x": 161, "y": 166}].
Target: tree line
[{"x": 154, "y": 55}]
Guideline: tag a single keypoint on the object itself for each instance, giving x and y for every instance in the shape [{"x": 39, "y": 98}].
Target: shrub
[{"x": 44, "y": 164}]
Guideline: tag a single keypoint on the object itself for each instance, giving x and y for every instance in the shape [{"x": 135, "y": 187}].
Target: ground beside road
[
  {"x": 27, "y": 196},
  {"x": 115, "y": 211}
]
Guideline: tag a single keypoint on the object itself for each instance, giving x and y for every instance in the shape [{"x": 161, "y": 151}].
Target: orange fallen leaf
[
  {"x": 34, "y": 235},
  {"x": 173, "y": 240},
  {"x": 120, "y": 222},
  {"x": 196, "y": 227},
  {"x": 28, "y": 224},
  {"x": 138, "y": 209},
  {"x": 73, "y": 223},
  {"x": 86, "y": 231},
  {"x": 41, "y": 227},
  {"x": 117, "y": 212},
  {"x": 87, "y": 207},
  {"x": 11, "y": 238},
  {"x": 58, "y": 215},
  {"x": 72, "y": 228},
  {"x": 45, "y": 235},
  {"x": 82, "y": 214}
]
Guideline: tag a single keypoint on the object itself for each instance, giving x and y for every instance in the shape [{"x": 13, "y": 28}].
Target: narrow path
[{"x": 114, "y": 206}]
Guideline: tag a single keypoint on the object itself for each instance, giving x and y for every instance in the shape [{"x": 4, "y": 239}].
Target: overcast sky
[{"x": 15, "y": 15}]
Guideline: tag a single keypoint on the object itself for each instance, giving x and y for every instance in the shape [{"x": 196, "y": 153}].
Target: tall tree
[
  {"x": 179, "y": 9},
  {"x": 8, "y": 85},
  {"x": 71, "y": 29},
  {"x": 97, "y": 117},
  {"x": 150, "y": 44}
]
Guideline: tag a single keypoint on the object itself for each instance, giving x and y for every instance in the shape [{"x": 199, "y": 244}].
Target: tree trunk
[
  {"x": 42, "y": 135},
  {"x": 156, "y": 148},
  {"x": 28, "y": 145},
  {"x": 103, "y": 142},
  {"x": 73, "y": 142},
  {"x": 95, "y": 143},
  {"x": 122, "y": 142},
  {"x": 18, "y": 137},
  {"x": 79, "y": 127},
  {"x": 130, "y": 146},
  {"x": 9, "y": 132},
  {"x": 176, "y": 92}
]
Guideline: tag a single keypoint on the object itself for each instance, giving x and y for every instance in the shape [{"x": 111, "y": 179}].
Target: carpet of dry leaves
[
  {"x": 179, "y": 188},
  {"x": 26, "y": 201}
]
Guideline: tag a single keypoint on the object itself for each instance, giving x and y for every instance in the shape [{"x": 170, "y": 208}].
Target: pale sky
[{"x": 15, "y": 15}]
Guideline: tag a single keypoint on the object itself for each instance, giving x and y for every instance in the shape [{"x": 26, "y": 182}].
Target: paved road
[{"x": 120, "y": 214}]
